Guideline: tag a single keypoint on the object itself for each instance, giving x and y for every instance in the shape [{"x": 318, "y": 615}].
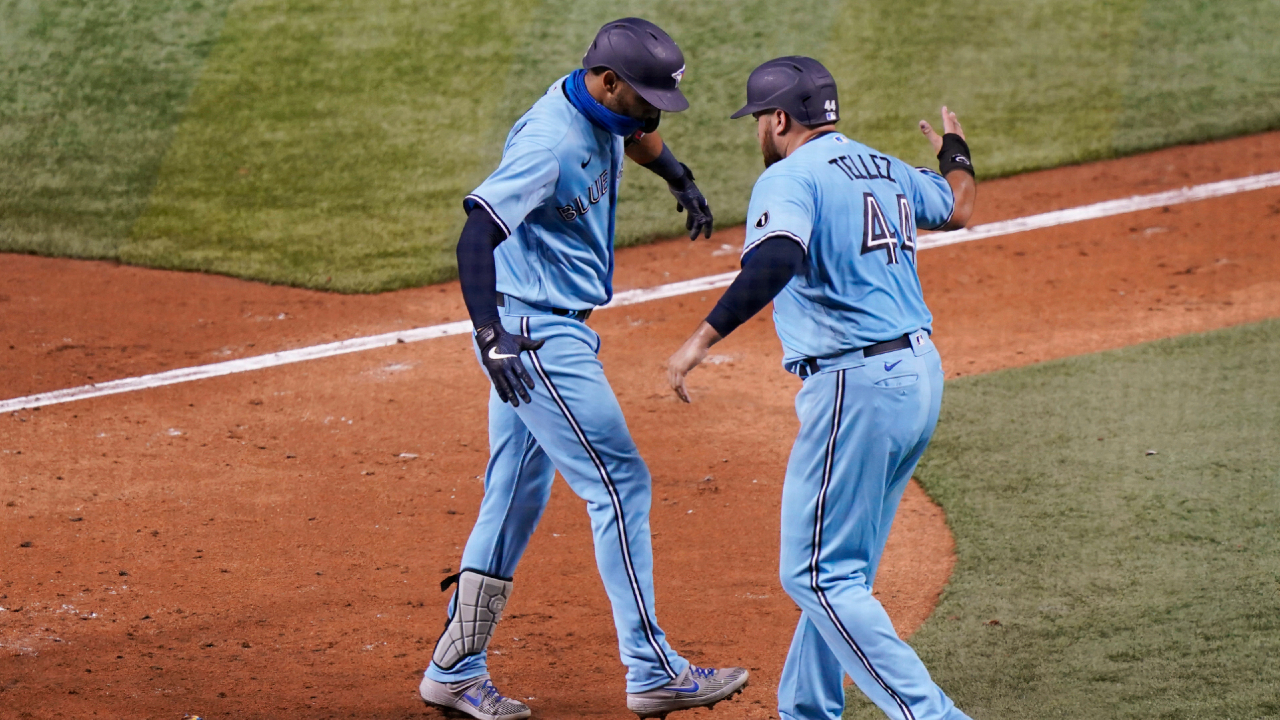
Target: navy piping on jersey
[
  {"x": 489, "y": 208},
  {"x": 774, "y": 234},
  {"x": 613, "y": 498},
  {"x": 817, "y": 550}
]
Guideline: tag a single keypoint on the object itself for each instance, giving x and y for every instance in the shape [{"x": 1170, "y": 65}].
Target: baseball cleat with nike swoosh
[
  {"x": 696, "y": 687},
  {"x": 476, "y": 697}
]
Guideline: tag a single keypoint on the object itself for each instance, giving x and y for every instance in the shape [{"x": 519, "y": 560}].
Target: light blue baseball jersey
[
  {"x": 855, "y": 212},
  {"x": 554, "y": 195}
]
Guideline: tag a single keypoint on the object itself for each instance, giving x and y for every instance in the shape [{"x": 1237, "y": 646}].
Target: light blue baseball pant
[
  {"x": 864, "y": 423},
  {"x": 574, "y": 424}
]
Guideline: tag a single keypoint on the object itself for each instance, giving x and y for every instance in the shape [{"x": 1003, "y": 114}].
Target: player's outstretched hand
[
  {"x": 690, "y": 198},
  {"x": 500, "y": 353},
  {"x": 688, "y": 357},
  {"x": 678, "y": 366},
  {"x": 949, "y": 125}
]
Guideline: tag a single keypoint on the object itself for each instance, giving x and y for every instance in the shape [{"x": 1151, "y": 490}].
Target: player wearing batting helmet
[
  {"x": 831, "y": 240},
  {"x": 535, "y": 257}
]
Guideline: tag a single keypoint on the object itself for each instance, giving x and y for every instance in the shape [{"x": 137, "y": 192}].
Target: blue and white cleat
[
  {"x": 696, "y": 687},
  {"x": 476, "y": 697}
]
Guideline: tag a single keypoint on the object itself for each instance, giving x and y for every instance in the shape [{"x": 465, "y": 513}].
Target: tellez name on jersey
[{"x": 877, "y": 233}]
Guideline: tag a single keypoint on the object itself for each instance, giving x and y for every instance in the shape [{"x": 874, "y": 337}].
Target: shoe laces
[
  {"x": 491, "y": 692},
  {"x": 702, "y": 673}
]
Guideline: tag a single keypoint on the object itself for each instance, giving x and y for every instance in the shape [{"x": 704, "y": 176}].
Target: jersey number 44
[{"x": 879, "y": 235}]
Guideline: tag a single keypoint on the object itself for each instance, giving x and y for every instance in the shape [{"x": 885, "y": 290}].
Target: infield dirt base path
[{"x": 269, "y": 544}]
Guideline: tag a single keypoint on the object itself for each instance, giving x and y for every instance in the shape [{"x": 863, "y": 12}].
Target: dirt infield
[{"x": 268, "y": 544}]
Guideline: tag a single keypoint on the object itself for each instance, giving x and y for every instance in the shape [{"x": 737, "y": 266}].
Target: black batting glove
[
  {"x": 500, "y": 353},
  {"x": 689, "y": 197}
]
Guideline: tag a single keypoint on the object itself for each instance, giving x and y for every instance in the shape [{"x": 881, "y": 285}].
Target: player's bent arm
[
  {"x": 767, "y": 269},
  {"x": 477, "y": 271},
  {"x": 954, "y": 164},
  {"x": 765, "y": 272},
  {"x": 644, "y": 149},
  {"x": 651, "y": 153},
  {"x": 965, "y": 190}
]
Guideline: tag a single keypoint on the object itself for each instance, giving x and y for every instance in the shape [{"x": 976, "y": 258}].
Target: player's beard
[{"x": 769, "y": 148}]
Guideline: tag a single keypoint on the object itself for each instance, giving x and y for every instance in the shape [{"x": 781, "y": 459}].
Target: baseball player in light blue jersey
[
  {"x": 535, "y": 257},
  {"x": 831, "y": 240}
]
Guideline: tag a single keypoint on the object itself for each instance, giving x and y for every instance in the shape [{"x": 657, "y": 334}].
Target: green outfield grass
[
  {"x": 90, "y": 95},
  {"x": 1095, "y": 580},
  {"x": 327, "y": 143}
]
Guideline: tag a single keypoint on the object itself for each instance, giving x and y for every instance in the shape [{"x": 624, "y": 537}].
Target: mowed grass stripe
[
  {"x": 1095, "y": 580},
  {"x": 355, "y": 202},
  {"x": 1200, "y": 70},
  {"x": 1040, "y": 83},
  {"x": 329, "y": 142},
  {"x": 333, "y": 140},
  {"x": 90, "y": 95}
]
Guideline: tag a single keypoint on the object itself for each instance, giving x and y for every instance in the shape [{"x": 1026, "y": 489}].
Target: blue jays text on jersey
[
  {"x": 595, "y": 193},
  {"x": 855, "y": 212},
  {"x": 555, "y": 194}
]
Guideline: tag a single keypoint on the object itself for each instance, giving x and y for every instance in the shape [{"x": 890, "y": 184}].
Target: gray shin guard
[{"x": 477, "y": 608}]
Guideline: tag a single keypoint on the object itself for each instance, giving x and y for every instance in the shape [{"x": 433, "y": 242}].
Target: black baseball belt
[
  {"x": 580, "y": 315},
  {"x": 810, "y": 365}
]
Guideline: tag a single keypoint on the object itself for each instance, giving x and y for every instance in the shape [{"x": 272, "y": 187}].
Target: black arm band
[
  {"x": 476, "y": 270},
  {"x": 954, "y": 155},
  {"x": 768, "y": 269},
  {"x": 667, "y": 167}
]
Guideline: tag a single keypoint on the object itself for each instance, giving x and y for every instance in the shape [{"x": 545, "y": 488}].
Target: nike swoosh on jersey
[
  {"x": 587, "y": 161},
  {"x": 888, "y": 367},
  {"x": 494, "y": 355}
]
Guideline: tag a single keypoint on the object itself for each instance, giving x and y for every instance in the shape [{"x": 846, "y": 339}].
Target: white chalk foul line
[
  {"x": 1103, "y": 209},
  {"x": 632, "y": 297}
]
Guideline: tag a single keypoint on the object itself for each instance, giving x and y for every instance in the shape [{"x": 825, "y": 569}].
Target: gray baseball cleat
[
  {"x": 696, "y": 687},
  {"x": 476, "y": 697}
]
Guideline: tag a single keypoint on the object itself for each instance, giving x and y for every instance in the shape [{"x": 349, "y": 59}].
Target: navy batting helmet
[
  {"x": 798, "y": 85},
  {"x": 645, "y": 57}
]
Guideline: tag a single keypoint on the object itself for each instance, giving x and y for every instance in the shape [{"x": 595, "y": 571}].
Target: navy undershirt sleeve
[
  {"x": 666, "y": 166},
  {"x": 766, "y": 270},
  {"x": 476, "y": 269}
]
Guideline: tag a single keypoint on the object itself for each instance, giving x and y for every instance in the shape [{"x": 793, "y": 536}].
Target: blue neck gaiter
[{"x": 575, "y": 88}]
